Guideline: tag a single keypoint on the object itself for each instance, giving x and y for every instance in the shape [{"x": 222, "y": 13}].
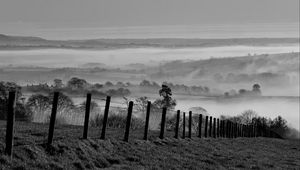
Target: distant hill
[{"x": 20, "y": 42}]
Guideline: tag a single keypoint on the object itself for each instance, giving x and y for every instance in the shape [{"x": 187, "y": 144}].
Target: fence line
[{"x": 215, "y": 128}]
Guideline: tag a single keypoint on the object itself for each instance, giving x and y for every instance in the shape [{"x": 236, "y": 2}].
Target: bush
[{"x": 117, "y": 121}]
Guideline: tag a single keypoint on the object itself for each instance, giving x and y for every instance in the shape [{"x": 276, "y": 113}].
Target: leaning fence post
[
  {"x": 128, "y": 121},
  {"x": 210, "y": 126},
  {"x": 200, "y": 125},
  {"x": 177, "y": 124},
  {"x": 147, "y": 121},
  {"x": 53, "y": 117},
  {"x": 87, "y": 115},
  {"x": 163, "y": 122},
  {"x": 183, "y": 126},
  {"x": 190, "y": 124},
  {"x": 105, "y": 117},
  {"x": 10, "y": 123}
]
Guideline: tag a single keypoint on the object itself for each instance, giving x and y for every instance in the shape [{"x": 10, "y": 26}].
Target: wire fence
[{"x": 184, "y": 124}]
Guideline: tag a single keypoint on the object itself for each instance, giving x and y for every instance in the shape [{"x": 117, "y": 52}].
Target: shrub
[{"x": 117, "y": 121}]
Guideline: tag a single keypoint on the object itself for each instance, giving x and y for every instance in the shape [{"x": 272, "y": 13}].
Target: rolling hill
[{"x": 20, "y": 42}]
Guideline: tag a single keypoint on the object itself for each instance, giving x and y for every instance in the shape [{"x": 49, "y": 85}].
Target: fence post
[
  {"x": 200, "y": 125},
  {"x": 210, "y": 126},
  {"x": 87, "y": 115},
  {"x": 227, "y": 128},
  {"x": 105, "y": 117},
  {"x": 239, "y": 130},
  {"x": 163, "y": 122},
  {"x": 190, "y": 124},
  {"x": 231, "y": 131},
  {"x": 223, "y": 128},
  {"x": 10, "y": 123},
  {"x": 53, "y": 117},
  {"x": 214, "y": 128},
  {"x": 206, "y": 124},
  {"x": 255, "y": 130},
  {"x": 218, "y": 128},
  {"x": 235, "y": 130},
  {"x": 230, "y": 134},
  {"x": 128, "y": 121},
  {"x": 147, "y": 120},
  {"x": 183, "y": 126},
  {"x": 177, "y": 124}
]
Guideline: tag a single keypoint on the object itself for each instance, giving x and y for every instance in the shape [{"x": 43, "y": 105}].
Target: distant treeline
[{"x": 79, "y": 86}]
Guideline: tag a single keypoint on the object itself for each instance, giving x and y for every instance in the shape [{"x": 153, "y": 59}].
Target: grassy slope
[{"x": 71, "y": 152}]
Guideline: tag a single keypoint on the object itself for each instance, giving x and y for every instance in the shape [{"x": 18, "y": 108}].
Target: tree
[
  {"x": 109, "y": 84},
  {"x": 57, "y": 83},
  {"x": 141, "y": 104},
  {"x": 242, "y": 91},
  {"x": 39, "y": 105},
  {"x": 159, "y": 104},
  {"x": 279, "y": 125},
  {"x": 145, "y": 83},
  {"x": 167, "y": 101},
  {"x": 256, "y": 89},
  {"x": 247, "y": 116},
  {"x": 77, "y": 83}
]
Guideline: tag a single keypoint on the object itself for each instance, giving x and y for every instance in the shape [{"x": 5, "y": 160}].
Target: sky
[{"x": 49, "y": 17}]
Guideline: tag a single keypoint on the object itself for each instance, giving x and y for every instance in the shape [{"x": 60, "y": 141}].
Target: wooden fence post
[
  {"x": 177, "y": 124},
  {"x": 147, "y": 120},
  {"x": 210, "y": 126},
  {"x": 214, "y": 128},
  {"x": 234, "y": 130},
  {"x": 223, "y": 128},
  {"x": 53, "y": 117},
  {"x": 218, "y": 128},
  {"x": 105, "y": 117},
  {"x": 126, "y": 137},
  {"x": 239, "y": 130},
  {"x": 200, "y": 126},
  {"x": 10, "y": 123},
  {"x": 206, "y": 124},
  {"x": 163, "y": 122},
  {"x": 230, "y": 129},
  {"x": 87, "y": 115},
  {"x": 190, "y": 124},
  {"x": 183, "y": 126},
  {"x": 227, "y": 129}
]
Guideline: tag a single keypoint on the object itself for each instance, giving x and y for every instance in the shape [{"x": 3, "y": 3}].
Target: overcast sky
[{"x": 26, "y": 14}]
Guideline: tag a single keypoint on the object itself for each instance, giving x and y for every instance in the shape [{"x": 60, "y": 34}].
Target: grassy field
[{"x": 71, "y": 152}]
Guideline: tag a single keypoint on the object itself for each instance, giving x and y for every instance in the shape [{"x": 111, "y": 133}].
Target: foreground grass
[{"x": 71, "y": 152}]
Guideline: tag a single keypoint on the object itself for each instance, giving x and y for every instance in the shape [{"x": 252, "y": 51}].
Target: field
[{"x": 71, "y": 152}]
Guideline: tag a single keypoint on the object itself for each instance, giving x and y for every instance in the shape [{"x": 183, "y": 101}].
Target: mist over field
[
  {"x": 55, "y": 58},
  {"x": 221, "y": 68}
]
